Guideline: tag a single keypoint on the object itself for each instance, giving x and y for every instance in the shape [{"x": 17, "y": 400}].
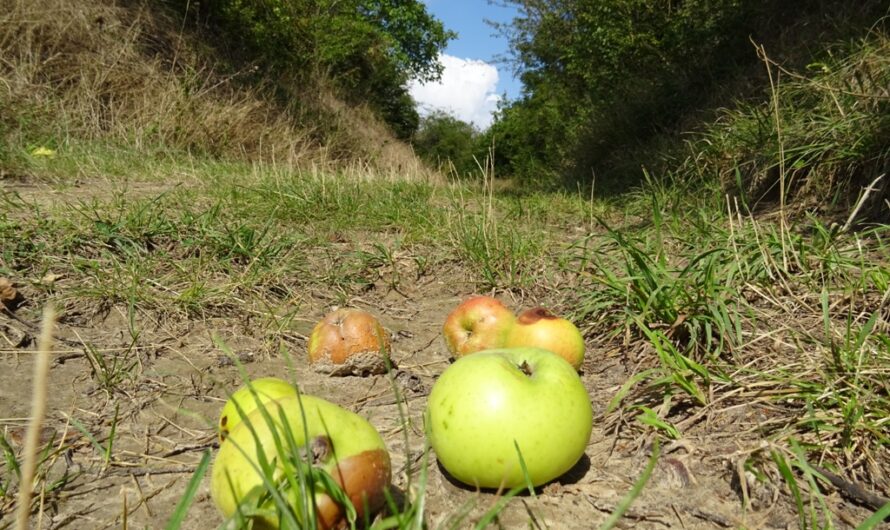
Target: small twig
[
  {"x": 679, "y": 517},
  {"x": 38, "y": 411},
  {"x": 146, "y": 498},
  {"x": 391, "y": 400},
  {"x": 33, "y": 327},
  {"x": 190, "y": 447},
  {"x": 629, "y": 514},
  {"x": 142, "y": 471},
  {"x": 61, "y": 359},
  {"x": 71, "y": 517},
  {"x": 425, "y": 346},
  {"x": 410, "y": 462},
  {"x": 719, "y": 520},
  {"x": 853, "y": 491},
  {"x": 142, "y": 500}
]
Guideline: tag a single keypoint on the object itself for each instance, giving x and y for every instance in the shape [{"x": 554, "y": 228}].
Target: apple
[
  {"x": 478, "y": 323},
  {"x": 349, "y": 342},
  {"x": 484, "y": 403},
  {"x": 265, "y": 389},
  {"x": 540, "y": 328},
  {"x": 9, "y": 296},
  {"x": 333, "y": 439}
]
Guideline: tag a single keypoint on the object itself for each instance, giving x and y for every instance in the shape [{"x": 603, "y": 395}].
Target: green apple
[
  {"x": 478, "y": 323},
  {"x": 334, "y": 439},
  {"x": 485, "y": 404},
  {"x": 265, "y": 389},
  {"x": 539, "y": 328}
]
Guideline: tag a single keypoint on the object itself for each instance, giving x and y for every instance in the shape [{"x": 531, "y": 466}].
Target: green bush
[
  {"x": 449, "y": 144},
  {"x": 606, "y": 83}
]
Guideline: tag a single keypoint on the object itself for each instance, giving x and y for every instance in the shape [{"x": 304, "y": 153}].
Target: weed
[
  {"x": 502, "y": 252},
  {"x": 693, "y": 305},
  {"x": 110, "y": 369}
]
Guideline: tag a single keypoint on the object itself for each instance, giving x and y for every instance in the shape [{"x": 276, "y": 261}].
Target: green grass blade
[
  {"x": 10, "y": 457},
  {"x": 876, "y": 518},
  {"x": 625, "y": 388},
  {"x": 189, "y": 495},
  {"x": 83, "y": 430},
  {"x": 528, "y": 479},
  {"x": 491, "y": 514},
  {"x": 634, "y": 491},
  {"x": 649, "y": 417},
  {"x": 785, "y": 471},
  {"x": 111, "y": 435}
]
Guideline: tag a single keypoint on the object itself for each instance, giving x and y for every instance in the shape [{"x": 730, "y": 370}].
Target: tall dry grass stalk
[
  {"x": 38, "y": 411},
  {"x": 127, "y": 73}
]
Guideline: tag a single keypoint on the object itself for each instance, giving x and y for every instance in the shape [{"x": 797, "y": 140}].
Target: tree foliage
[
  {"x": 368, "y": 49},
  {"x": 602, "y": 77},
  {"x": 449, "y": 144}
]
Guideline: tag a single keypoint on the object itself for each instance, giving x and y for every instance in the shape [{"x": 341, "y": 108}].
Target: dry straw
[{"x": 38, "y": 410}]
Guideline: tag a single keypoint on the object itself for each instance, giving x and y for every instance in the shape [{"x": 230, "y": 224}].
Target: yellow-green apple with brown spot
[{"x": 327, "y": 437}]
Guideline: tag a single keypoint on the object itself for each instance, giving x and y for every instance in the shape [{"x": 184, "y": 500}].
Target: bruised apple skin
[
  {"x": 342, "y": 443},
  {"x": 540, "y": 328},
  {"x": 349, "y": 342},
  {"x": 478, "y": 323},
  {"x": 265, "y": 389}
]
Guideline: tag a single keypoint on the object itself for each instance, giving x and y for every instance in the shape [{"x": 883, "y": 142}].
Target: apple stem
[{"x": 526, "y": 369}]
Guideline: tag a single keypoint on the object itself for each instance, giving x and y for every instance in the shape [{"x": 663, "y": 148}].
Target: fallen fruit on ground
[
  {"x": 265, "y": 389},
  {"x": 539, "y": 328},
  {"x": 486, "y": 404},
  {"x": 9, "y": 296},
  {"x": 349, "y": 342},
  {"x": 332, "y": 440},
  {"x": 478, "y": 323}
]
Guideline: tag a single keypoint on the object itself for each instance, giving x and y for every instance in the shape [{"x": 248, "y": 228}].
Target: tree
[
  {"x": 603, "y": 79},
  {"x": 368, "y": 49},
  {"x": 447, "y": 143}
]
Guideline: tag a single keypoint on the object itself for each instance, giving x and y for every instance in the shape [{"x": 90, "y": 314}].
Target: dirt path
[{"x": 169, "y": 401}]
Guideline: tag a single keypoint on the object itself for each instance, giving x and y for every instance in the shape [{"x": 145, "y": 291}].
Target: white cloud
[{"x": 466, "y": 90}]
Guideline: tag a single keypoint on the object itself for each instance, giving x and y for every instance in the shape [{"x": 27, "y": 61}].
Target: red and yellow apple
[
  {"x": 264, "y": 390},
  {"x": 485, "y": 405},
  {"x": 325, "y": 436},
  {"x": 540, "y": 328},
  {"x": 349, "y": 342},
  {"x": 478, "y": 323}
]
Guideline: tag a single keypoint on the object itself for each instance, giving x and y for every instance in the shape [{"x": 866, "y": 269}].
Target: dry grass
[
  {"x": 127, "y": 75},
  {"x": 38, "y": 411},
  {"x": 819, "y": 138}
]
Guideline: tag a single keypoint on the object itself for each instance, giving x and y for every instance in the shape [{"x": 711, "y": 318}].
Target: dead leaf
[
  {"x": 8, "y": 294},
  {"x": 17, "y": 435},
  {"x": 43, "y": 151},
  {"x": 50, "y": 278}
]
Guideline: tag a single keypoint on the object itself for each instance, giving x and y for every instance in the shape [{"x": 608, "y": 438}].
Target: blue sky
[{"x": 472, "y": 82}]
